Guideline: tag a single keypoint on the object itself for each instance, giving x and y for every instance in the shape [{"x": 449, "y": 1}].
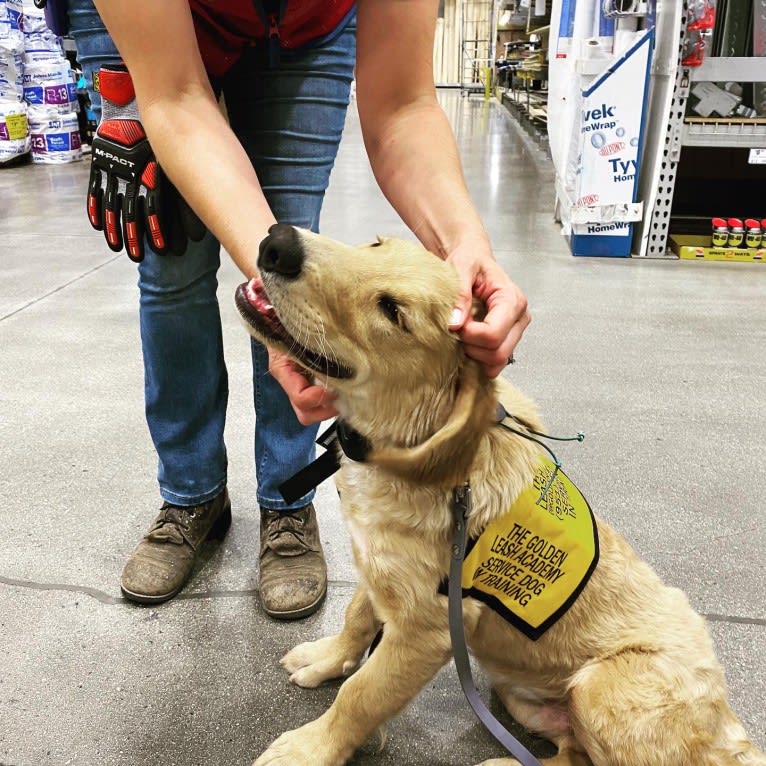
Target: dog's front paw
[
  {"x": 499, "y": 762},
  {"x": 311, "y": 745},
  {"x": 314, "y": 662}
]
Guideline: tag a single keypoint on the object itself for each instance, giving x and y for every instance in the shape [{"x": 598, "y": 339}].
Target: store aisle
[{"x": 661, "y": 363}]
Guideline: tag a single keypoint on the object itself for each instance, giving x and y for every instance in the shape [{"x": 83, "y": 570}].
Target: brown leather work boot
[
  {"x": 163, "y": 561},
  {"x": 293, "y": 578}
]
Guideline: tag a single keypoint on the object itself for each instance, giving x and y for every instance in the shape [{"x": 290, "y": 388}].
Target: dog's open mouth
[{"x": 256, "y": 310}]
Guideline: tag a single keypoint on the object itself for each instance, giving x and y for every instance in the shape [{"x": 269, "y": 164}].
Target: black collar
[{"x": 339, "y": 437}]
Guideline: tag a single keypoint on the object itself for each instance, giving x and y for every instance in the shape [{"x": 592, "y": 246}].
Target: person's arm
[
  {"x": 197, "y": 149},
  {"x": 190, "y": 137},
  {"x": 414, "y": 157}
]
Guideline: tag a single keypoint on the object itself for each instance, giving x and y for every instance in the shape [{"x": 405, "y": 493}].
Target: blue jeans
[
  {"x": 289, "y": 120},
  {"x": 94, "y": 46}
]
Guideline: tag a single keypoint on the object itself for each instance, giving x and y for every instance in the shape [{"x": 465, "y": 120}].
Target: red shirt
[{"x": 226, "y": 27}]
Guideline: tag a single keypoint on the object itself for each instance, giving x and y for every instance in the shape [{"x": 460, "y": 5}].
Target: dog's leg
[
  {"x": 397, "y": 670},
  {"x": 314, "y": 662},
  {"x": 643, "y": 707},
  {"x": 549, "y": 721}
]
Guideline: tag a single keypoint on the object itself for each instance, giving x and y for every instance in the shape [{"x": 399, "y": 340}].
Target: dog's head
[{"x": 371, "y": 323}]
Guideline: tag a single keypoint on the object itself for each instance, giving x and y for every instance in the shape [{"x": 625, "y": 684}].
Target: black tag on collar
[
  {"x": 338, "y": 436},
  {"x": 354, "y": 445}
]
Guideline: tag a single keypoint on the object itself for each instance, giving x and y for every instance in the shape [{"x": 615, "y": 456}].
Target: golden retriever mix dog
[{"x": 626, "y": 677}]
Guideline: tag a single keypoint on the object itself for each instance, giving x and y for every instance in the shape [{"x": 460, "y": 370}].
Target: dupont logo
[{"x": 613, "y": 148}]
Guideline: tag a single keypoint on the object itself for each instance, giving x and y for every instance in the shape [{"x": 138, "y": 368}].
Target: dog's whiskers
[{"x": 314, "y": 340}]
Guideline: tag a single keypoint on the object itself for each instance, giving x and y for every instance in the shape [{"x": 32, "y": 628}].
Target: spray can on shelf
[
  {"x": 736, "y": 233},
  {"x": 752, "y": 233},
  {"x": 720, "y": 232}
]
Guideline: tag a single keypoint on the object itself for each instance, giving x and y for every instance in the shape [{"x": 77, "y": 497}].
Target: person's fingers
[
  {"x": 132, "y": 225},
  {"x": 462, "y": 310},
  {"x": 310, "y": 402},
  {"x": 111, "y": 223},
  {"x": 494, "y": 360},
  {"x": 492, "y": 340},
  {"x": 155, "y": 228},
  {"x": 95, "y": 198},
  {"x": 507, "y": 317},
  {"x": 307, "y": 417}
]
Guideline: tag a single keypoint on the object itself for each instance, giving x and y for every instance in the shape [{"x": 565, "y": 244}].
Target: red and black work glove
[{"x": 129, "y": 197}]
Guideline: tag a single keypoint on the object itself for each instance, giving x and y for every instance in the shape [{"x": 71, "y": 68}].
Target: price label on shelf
[{"x": 757, "y": 157}]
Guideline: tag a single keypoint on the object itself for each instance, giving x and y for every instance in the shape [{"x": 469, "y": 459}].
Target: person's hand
[
  {"x": 312, "y": 403},
  {"x": 129, "y": 196},
  {"x": 492, "y": 340}
]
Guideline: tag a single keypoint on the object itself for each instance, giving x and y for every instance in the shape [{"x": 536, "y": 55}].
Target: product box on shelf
[{"x": 695, "y": 247}]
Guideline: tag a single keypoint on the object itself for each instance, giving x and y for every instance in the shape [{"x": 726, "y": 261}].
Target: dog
[{"x": 626, "y": 676}]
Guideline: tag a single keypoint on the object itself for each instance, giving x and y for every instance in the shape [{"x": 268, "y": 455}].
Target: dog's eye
[{"x": 389, "y": 307}]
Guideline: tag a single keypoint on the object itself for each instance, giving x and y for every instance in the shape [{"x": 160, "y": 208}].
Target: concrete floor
[{"x": 661, "y": 363}]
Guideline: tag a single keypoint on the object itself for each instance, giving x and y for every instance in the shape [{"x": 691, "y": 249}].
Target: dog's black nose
[{"x": 281, "y": 251}]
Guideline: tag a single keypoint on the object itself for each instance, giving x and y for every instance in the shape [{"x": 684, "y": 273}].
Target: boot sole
[
  {"x": 140, "y": 598},
  {"x": 217, "y": 532},
  {"x": 297, "y": 614}
]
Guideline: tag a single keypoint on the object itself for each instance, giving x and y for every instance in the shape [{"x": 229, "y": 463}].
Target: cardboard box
[{"x": 695, "y": 247}]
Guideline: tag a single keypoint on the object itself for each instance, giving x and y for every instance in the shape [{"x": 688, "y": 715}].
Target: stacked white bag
[
  {"x": 14, "y": 128},
  {"x": 49, "y": 90}
]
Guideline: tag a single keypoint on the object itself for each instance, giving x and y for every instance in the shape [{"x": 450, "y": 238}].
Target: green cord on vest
[
  {"x": 502, "y": 414},
  {"x": 580, "y": 435}
]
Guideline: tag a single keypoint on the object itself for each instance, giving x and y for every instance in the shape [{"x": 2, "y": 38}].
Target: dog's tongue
[
  {"x": 257, "y": 298},
  {"x": 260, "y": 306}
]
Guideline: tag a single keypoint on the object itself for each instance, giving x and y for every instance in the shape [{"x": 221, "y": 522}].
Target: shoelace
[
  {"x": 172, "y": 526},
  {"x": 282, "y": 522}
]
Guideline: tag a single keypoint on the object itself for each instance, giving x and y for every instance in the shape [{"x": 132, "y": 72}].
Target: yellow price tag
[{"x": 18, "y": 126}]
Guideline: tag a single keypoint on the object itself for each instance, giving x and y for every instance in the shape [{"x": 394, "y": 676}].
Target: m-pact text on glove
[{"x": 113, "y": 157}]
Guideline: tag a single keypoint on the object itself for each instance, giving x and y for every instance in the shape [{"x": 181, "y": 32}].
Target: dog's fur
[{"x": 627, "y": 677}]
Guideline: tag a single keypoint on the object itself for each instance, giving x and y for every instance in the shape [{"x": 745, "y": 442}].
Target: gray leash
[{"x": 461, "y": 507}]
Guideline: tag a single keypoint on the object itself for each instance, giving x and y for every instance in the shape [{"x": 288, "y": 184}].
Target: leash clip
[{"x": 461, "y": 508}]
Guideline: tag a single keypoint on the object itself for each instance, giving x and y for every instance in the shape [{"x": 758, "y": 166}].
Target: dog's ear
[{"x": 446, "y": 457}]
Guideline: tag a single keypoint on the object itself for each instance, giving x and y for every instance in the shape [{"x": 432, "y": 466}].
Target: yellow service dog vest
[{"x": 531, "y": 564}]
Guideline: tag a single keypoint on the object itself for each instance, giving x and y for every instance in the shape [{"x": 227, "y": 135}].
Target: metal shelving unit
[
  {"x": 714, "y": 69},
  {"x": 669, "y": 129},
  {"x": 478, "y": 32},
  {"x": 662, "y": 147},
  {"x": 722, "y": 132}
]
